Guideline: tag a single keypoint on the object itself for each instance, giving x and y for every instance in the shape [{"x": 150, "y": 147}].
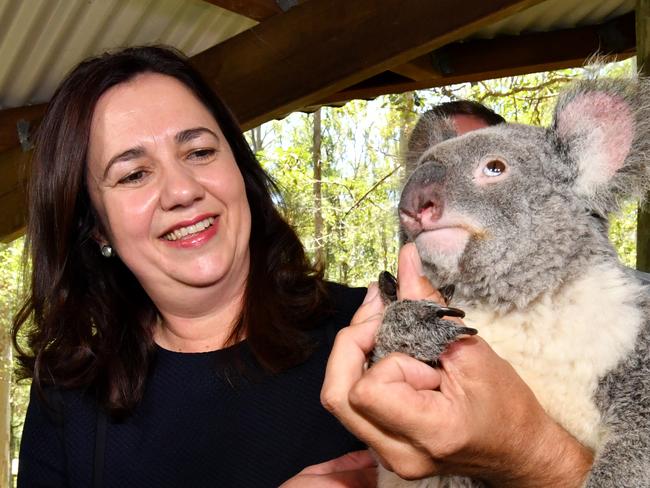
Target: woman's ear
[
  {"x": 103, "y": 244},
  {"x": 430, "y": 130}
]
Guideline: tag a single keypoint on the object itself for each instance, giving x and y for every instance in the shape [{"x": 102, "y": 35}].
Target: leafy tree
[
  {"x": 360, "y": 172},
  {"x": 11, "y": 286}
]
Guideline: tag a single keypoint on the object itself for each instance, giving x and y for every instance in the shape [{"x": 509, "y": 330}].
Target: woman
[{"x": 179, "y": 335}]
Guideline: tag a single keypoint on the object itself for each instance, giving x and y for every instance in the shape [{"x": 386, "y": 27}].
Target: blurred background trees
[{"x": 342, "y": 196}]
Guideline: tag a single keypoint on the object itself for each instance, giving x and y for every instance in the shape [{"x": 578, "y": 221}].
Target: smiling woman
[
  {"x": 172, "y": 205},
  {"x": 177, "y": 334}
]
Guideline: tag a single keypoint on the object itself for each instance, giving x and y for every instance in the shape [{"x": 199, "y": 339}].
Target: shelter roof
[{"x": 268, "y": 58}]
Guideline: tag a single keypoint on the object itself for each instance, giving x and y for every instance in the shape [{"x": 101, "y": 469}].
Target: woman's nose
[{"x": 180, "y": 187}]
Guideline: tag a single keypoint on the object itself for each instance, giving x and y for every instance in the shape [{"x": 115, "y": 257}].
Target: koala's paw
[{"x": 417, "y": 328}]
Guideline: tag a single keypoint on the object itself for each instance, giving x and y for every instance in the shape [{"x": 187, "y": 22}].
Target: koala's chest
[{"x": 563, "y": 345}]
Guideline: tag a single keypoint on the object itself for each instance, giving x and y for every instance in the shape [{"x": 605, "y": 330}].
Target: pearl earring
[{"x": 107, "y": 251}]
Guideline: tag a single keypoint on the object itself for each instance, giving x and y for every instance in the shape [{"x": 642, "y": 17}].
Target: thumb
[
  {"x": 348, "y": 462},
  {"x": 413, "y": 285}
]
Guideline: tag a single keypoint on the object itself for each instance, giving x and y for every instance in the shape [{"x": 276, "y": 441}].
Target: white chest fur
[{"x": 565, "y": 342}]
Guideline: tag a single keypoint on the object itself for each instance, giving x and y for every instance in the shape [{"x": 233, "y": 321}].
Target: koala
[{"x": 513, "y": 217}]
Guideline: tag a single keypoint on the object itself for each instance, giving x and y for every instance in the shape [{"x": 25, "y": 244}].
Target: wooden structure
[
  {"x": 307, "y": 53},
  {"x": 643, "y": 63}
]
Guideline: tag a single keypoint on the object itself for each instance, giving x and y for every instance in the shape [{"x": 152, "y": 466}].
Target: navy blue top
[{"x": 198, "y": 425}]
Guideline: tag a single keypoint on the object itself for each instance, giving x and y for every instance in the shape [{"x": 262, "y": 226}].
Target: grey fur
[
  {"x": 623, "y": 397},
  {"x": 532, "y": 235},
  {"x": 415, "y": 328}
]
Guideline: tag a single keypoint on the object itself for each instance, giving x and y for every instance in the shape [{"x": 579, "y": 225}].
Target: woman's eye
[
  {"x": 134, "y": 177},
  {"x": 202, "y": 154},
  {"x": 494, "y": 168}
]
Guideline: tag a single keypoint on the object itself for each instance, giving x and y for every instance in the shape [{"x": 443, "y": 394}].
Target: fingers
[
  {"x": 400, "y": 368},
  {"x": 345, "y": 368},
  {"x": 348, "y": 462},
  {"x": 468, "y": 357},
  {"x": 360, "y": 478},
  {"x": 413, "y": 284},
  {"x": 347, "y": 360},
  {"x": 356, "y": 469},
  {"x": 392, "y": 383}
]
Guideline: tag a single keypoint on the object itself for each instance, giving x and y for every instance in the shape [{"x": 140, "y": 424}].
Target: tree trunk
[
  {"x": 318, "y": 188},
  {"x": 256, "y": 139}
]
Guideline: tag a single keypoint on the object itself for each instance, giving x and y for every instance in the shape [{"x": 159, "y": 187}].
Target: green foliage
[
  {"x": 361, "y": 143},
  {"x": 622, "y": 233},
  {"x": 10, "y": 299},
  {"x": 359, "y": 183}
]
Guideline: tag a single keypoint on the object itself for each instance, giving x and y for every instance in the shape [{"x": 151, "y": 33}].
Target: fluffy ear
[
  {"x": 429, "y": 131},
  {"x": 603, "y": 127}
]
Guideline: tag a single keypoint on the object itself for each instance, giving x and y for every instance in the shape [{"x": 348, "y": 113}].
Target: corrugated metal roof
[
  {"x": 41, "y": 40},
  {"x": 558, "y": 14}
]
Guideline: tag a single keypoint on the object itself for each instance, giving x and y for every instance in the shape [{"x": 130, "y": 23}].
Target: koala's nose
[{"x": 422, "y": 203}]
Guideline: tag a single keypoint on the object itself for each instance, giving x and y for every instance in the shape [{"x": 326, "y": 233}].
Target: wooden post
[{"x": 643, "y": 64}]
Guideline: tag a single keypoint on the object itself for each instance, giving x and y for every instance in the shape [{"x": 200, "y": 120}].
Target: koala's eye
[{"x": 494, "y": 168}]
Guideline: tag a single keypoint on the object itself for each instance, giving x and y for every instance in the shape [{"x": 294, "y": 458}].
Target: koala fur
[{"x": 511, "y": 215}]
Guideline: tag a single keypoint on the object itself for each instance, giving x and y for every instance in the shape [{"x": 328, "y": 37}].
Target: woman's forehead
[{"x": 147, "y": 108}]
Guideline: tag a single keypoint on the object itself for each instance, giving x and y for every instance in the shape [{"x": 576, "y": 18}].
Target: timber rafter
[{"x": 330, "y": 51}]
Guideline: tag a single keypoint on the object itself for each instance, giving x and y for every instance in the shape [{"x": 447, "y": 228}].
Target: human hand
[
  {"x": 346, "y": 372},
  {"x": 353, "y": 470},
  {"x": 474, "y": 416}
]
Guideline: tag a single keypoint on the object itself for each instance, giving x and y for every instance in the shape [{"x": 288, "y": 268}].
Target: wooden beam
[
  {"x": 323, "y": 46},
  {"x": 253, "y": 9},
  {"x": 9, "y": 119},
  {"x": 418, "y": 69},
  {"x": 643, "y": 64},
  {"x": 506, "y": 56},
  {"x": 14, "y": 173}
]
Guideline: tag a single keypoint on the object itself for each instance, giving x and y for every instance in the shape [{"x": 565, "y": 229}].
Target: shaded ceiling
[{"x": 268, "y": 58}]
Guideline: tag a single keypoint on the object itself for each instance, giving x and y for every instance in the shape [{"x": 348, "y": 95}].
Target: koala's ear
[
  {"x": 430, "y": 129},
  {"x": 602, "y": 126}
]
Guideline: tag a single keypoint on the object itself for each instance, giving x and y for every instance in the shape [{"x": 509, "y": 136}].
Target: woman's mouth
[{"x": 189, "y": 230}]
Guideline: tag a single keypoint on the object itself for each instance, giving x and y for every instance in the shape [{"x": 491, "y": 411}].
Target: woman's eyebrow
[
  {"x": 189, "y": 134},
  {"x": 133, "y": 153}
]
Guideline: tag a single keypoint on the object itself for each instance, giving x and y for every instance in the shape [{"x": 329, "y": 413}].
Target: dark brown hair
[
  {"x": 468, "y": 107},
  {"x": 89, "y": 323}
]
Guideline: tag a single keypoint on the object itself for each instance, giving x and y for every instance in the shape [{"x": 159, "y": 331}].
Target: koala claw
[
  {"x": 387, "y": 287},
  {"x": 450, "y": 312},
  {"x": 447, "y": 292}
]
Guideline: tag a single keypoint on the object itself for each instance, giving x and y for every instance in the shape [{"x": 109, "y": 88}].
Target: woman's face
[{"x": 165, "y": 185}]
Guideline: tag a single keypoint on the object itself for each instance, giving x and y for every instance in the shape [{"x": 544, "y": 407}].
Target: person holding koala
[
  {"x": 474, "y": 415},
  {"x": 506, "y": 214},
  {"x": 387, "y": 405}
]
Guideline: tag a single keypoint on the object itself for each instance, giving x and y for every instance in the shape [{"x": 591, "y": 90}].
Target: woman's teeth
[{"x": 190, "y": 229}]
